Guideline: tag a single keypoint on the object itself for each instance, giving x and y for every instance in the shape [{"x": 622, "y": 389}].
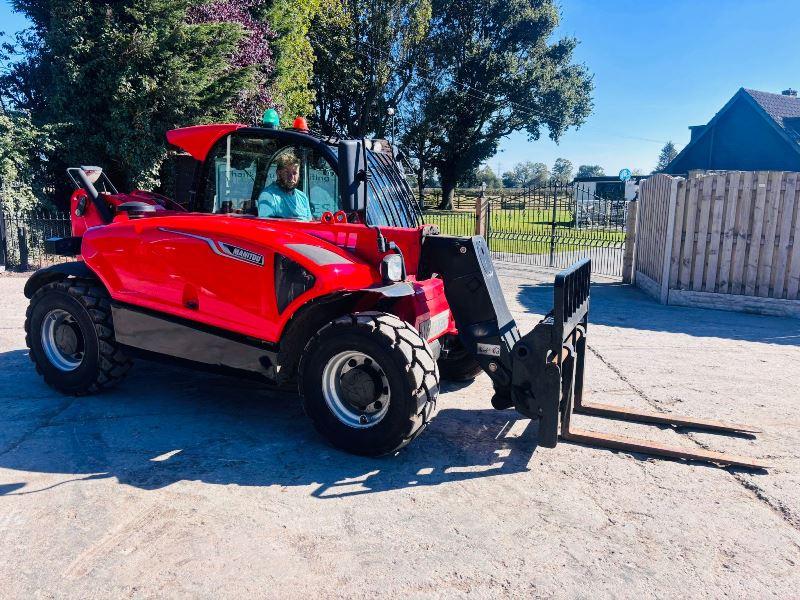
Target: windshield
[
  {"x": 391, "y": 201},
  {"x": 269, "y": 177}
]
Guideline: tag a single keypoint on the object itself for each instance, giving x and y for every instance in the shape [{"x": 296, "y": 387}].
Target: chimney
[
  {"x": 696, "y": 130},
  {"x": 789, "y": 92}
]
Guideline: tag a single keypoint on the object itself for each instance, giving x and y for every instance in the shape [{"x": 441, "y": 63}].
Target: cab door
[{"x": 218, "y": 268}]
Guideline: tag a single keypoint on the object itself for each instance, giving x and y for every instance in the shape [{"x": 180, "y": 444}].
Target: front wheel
[
  {"x": 369, "y": 383},
  {"x": 69, "y": 332}
]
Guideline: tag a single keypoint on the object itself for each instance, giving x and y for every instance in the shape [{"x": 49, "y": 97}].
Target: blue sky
[{"x": 659, "y": 66}]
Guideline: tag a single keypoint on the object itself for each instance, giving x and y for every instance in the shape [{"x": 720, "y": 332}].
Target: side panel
[
  {"x": 215, "y": 270},
  {"x": 140, "y": 329}
]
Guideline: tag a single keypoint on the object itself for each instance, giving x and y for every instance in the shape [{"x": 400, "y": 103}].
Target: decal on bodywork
[
  {"x": 321, "y": 256},
  {"x": 242, "y": 254},
  {"x": 223, "y": 248},
  {"x": 489, "y": 349}
]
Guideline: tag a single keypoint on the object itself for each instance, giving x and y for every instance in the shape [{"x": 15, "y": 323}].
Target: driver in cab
[{"x": 281, "y": 198}]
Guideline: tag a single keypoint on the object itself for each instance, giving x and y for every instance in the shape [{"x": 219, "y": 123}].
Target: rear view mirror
[{"x": 352, "y": 175}]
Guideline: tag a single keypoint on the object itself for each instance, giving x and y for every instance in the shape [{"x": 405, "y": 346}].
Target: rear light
[
  {"x": 392, "y": 268},
  {"x": 291, "y": 281}
]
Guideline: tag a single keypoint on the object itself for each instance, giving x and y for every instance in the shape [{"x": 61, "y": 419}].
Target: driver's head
[{"x": 288, "y": 170}]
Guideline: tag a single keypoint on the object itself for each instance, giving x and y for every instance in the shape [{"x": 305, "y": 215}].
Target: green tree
[
  {"x": 112, "y": 77},
  {"x": 496, "y": 71},
  {"x": 482, "y": 175},
  {"x": 21, "y": 147},
  {"x": 418, "y": 143},
  {"x": 590, "y": 171},
  {"x": 526, "y": 174},
  {"x": 562, "y": 170},
  {"x": 292, "y": 90},
  {"x": 367, "y": 53},
  {"x": 666, "y": 156}
]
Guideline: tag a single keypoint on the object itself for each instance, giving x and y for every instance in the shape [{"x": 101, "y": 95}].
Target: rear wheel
[
  {"x": 70, "y": 335},
  {"x": 455, "y": 361},
  {"x": 369, "y": 383}
]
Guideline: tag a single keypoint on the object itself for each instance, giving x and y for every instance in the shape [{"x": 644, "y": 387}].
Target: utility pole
[{"x": 391, "y": 111}]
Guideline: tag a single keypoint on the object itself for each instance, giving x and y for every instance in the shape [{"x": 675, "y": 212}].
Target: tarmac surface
[{"x": 184, "y": 484}]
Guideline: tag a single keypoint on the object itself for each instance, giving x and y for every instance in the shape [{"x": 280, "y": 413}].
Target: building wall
[{"x": 741, "y": 140}]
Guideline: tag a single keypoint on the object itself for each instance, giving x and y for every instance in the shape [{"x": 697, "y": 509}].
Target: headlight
[{"x": 392, "y": 267}]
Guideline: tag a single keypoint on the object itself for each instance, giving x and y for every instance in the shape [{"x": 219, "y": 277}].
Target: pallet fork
[{"x": 541, "y": 374}]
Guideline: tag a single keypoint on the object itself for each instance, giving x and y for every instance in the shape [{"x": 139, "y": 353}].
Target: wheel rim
[
  {"x": 356, "y": 389},
  {"x": 62, "y": 340}
]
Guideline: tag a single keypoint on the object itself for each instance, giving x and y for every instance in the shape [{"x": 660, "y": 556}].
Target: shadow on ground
[
  {"x": 164, "y": 425},
  {"x": 620, "y": 305}
]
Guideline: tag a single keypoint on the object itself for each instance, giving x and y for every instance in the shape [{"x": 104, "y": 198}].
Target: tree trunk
[
  {"x": 448, "y": 191},
  {"x": 420, "y": 173}
]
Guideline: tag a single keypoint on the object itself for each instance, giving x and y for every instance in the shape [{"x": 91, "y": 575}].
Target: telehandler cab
[{"x": 360, "y": 308}]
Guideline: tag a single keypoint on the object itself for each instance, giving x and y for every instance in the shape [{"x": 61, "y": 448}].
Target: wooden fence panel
[
  {"x": 774, "y": 198},
  {"x": 742, "y": 226},
  {"x": 754, "y": 247},
  {"x": 688, "y": 235},
  {"x": 788, "y": 216},
  {"x": 730, "y": 234},
  {"x": 793, "y": 285},
  {"x": 698, "y": 260},
  {"x": 677, "y": 239},
  {"x": 717, "y": 214},
  {"x": 652, "y": 226}
]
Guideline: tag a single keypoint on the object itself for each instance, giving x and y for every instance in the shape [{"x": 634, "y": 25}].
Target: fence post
[
  {"x": 480, "y": 214},
  {"x": 23, "y": 248},
  {"x": 3, "y": 251},
  {"x": 630, "y": 242},
  {"x": 671, "y": 207},
  {"x": 553, "y": 228}
]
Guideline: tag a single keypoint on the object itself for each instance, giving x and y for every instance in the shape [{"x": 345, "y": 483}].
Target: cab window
[{"x": 242, "y": 176}]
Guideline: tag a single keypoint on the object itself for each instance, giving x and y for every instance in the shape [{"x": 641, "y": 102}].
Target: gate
[
  {"x": 557, "y": 224},
  {"x": 547, "y": 226},
  {"x": 550, "y": 226},
  {"x": 22, "y": 237}
]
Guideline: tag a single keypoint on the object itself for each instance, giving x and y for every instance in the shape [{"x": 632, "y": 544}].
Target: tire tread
[
  {"x": 113, "y": 363},
  {"x": 409, "y": 349}
]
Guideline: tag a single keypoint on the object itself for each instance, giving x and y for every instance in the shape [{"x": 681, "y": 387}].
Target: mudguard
[{"x": 55, "y": 273}]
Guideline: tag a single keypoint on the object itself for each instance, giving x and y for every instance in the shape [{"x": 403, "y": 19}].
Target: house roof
[
  {"x": 784, "y": 110},
  {"x": 780, "y": 111}
]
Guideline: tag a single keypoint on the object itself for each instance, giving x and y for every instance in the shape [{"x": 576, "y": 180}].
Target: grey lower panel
[{"x": 183, "y": 340}]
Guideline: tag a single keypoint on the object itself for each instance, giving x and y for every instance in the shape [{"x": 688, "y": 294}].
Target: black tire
[
  {"x": 102, "y": 363},
  {"x": 402, "y": 357},
  {"x": 455, "y": 361}
]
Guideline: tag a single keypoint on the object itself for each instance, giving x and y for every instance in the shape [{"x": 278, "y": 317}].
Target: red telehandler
[{"x": 360, "y": 307}]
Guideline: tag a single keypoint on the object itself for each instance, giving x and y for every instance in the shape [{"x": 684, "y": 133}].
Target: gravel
[{"x": 186, "y": 484}]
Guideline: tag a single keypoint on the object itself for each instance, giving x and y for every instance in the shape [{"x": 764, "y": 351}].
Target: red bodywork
[
  {"x": 170, "y": 261},
  {"x": 199, "y": 139}
]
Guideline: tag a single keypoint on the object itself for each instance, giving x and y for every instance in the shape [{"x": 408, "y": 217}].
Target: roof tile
[{"x": 784, "y": 110}]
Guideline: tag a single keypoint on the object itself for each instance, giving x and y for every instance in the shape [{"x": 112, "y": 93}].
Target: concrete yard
[{"x": 183, "y": 484}]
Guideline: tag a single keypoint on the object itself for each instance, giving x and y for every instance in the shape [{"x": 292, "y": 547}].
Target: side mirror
[{"x": 352, "y": 175}]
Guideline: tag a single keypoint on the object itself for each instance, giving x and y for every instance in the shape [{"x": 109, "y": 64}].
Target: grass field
[{"x": 527, "y": 231}]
